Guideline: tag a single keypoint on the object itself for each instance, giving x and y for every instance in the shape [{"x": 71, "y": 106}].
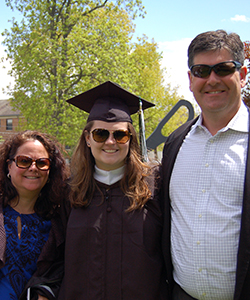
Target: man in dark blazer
[{"x": 206, "y": 179}]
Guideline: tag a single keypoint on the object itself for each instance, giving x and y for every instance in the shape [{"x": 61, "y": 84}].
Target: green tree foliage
[
  {"x": 64, "y": 47},
  {"x": 150, "y": 84}
]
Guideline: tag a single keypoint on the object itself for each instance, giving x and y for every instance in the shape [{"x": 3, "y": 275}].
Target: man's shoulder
[
  {"x": 175, "y": 139},
  {"x": 181, "y": 131}
]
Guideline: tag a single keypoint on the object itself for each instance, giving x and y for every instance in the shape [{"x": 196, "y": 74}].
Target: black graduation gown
[{"x": 112, "y": 254}]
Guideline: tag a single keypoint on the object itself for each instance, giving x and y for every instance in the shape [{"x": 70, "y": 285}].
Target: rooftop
[{"x": 6, "y": 109}]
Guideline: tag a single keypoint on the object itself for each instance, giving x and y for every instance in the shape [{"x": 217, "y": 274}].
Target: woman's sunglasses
[
  {"x": 221, "y": 69},
  {"x": 101, "y": 135},
  {"x": 24, "y": 162}
]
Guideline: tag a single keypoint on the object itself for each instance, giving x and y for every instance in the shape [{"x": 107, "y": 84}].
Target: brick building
[{"x": 9, "y": 119}]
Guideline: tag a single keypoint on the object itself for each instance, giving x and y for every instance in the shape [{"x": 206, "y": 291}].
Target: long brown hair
[{"x": 134, "y": 183}]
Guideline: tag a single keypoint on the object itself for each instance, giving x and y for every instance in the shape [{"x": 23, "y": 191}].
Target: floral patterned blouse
[{"x": 25, "y": 236}]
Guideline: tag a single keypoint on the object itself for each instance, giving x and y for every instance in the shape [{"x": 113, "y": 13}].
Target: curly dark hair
[
  {"x": 216, "y": 40},
  {"x": 52, "y": 193}
]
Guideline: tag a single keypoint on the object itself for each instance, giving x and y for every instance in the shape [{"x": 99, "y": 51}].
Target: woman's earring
[
  {"x": 88, "y": 144},
  {"x": 8, "y": 175}
]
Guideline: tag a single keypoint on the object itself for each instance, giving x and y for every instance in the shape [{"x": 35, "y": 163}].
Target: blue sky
[
  {"x": 173, "y": 24},
  {"x": 178, "y": 19}
]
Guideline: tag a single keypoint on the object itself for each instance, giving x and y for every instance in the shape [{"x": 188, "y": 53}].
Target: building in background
[{"x": 9, "y": 120}]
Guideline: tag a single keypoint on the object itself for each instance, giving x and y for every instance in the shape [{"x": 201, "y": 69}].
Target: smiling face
[
  {"x": 29, "y": 182},
  {"x": 108, "y": 155},
  {"x": 220, "y": 96}
]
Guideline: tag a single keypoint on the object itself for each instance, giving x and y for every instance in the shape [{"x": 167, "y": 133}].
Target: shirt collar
[
  {"x": 109, "y": 177},
  {"x": 238, "y": 123}
]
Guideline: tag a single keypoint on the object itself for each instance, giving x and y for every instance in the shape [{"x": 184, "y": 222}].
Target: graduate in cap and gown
[
  {"x": 113, "y": 236},
  {"x": 113, "y": 248}
]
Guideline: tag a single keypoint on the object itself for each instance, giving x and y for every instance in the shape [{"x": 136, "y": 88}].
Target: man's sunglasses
[
  {"x": 221, "y": 69},
  {"x": 101, "y": 135},
  {"x": 24, "y": 162}
]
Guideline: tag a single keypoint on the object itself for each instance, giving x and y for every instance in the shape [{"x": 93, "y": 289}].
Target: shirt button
[
  {"x": 109, "y": 209},
  {"x": 198, "y": 242},
  {"x": 206, "y": 165},
  {"x": 200, "y": 269}
]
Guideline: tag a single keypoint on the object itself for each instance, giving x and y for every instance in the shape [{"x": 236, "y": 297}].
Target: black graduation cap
[{"x": 109, "y": 102}]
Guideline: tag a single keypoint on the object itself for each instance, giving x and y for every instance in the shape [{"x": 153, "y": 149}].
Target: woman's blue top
[{"x": 21, "y": 252}]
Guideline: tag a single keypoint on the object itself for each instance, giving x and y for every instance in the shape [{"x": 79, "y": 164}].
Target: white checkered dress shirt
[{"x": 206, "y": 191}]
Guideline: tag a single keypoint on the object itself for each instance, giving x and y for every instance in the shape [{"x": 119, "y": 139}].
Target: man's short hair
[{"x": 216, "y": 40}]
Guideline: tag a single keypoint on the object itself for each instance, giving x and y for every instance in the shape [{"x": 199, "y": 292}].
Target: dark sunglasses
[
  {"x": 24, "y": 162},
  {"x": 101, "y": 135},
  {"x": 221, "y": 69}
]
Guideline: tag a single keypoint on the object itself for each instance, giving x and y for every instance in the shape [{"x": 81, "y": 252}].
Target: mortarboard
[{"x": 109, "y": 102}]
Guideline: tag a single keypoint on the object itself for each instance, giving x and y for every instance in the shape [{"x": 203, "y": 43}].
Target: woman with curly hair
[
  {"x": 32, "y": 178},
  {"x": 113, "y": 248}
]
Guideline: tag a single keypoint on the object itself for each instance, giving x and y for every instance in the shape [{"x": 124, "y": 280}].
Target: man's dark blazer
[{"x": 170, "y": 151}]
